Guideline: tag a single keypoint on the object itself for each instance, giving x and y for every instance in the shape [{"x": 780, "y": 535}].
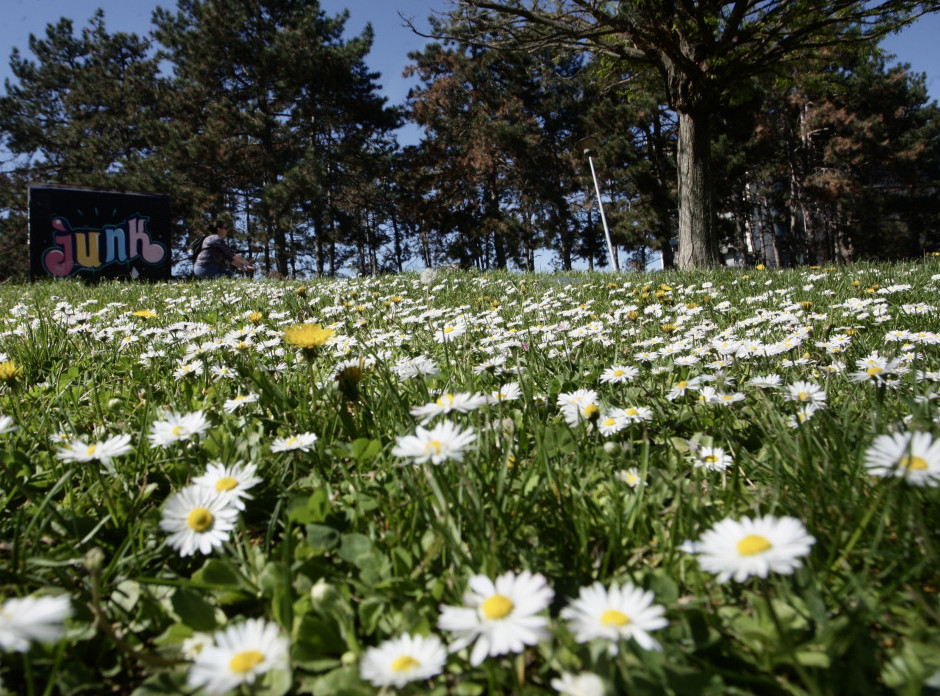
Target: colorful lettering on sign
[{"x": 93, "y": 249}]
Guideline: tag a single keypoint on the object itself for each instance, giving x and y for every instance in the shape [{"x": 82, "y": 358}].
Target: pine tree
[{"x": 270, "y": 99}]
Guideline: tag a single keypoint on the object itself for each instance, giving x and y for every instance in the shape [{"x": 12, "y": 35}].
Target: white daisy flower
[
  {"x": 442, "y": 442},
  {"x": 630, "y": 476},
  {"x": 499, "y": 618},
  {"x": 223, "y": 372},
  {"x": 615, "y": 614},
  {"x": 421, "y": 366},
  {"x": 733, "y": 549},
  {"x": 636, "y": 414},
  {"x": 680, "y": 388},
  {"x": 805, "y": 392},
  {"x": 177, "y": 428},
  {"x": 25, "y": 620},
  {"x": 303, "y": 442},
  {"x": 618, "y": 374},
  {"x": 194, "y": 645},
  {"x": 915, "y": 457},
  {"x": 235, "y": 403},
  {"x": 7, "y": 425},
  {"x": 507, "y": 392},
  {"x": 198, "y": 519},
  {"x": 728, "y": 398},
  {"x": 876, "y": 369},
  {"x": 686, "y": 360},
  {"x": 713, "y": 459},
  {"x": 578, "y": 406},
  {"x": 612, "y": 422},
  {"x": 77, "y": 450},
  {"x": 802, "y": 415},
  {"x": 462, "y": 402},
  {"x": 402, "y": 660},
  {"x": 450, "y": 330},
  {"x": 582, "y": 684},
  {"x": 190, "y": 369},
  {"x": 231, "y": 482},
  {"x": 238, "y": 655}
]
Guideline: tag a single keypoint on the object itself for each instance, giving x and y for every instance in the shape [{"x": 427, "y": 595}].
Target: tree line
[{"x": 816, "y": 151}]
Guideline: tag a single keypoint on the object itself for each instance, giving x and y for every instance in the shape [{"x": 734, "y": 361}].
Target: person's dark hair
[{"x": 222, "y": 222}]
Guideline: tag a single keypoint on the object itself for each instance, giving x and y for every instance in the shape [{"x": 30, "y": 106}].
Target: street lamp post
[{"x": 588, "y": 146}]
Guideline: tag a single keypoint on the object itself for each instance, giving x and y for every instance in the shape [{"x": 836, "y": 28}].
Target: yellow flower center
[
  {"x": 497, "y": 607},
  {"x": 610, "y": 422},
  {"x": 199, "y": 519},
  {"x": 8, "y": 370},
  {"x": 178, "y": 430},
  {"x": 753, "y": 544},
  {"x": 872, "y": 371},
  {"x": 803, "y": 396},
  {"x": 711, "y": 459},
  {"x": 591, "y": 411},
  {"x": 405, "y": 663},
  {"x": 448, "y": 329},
  {"x": 246, "y": 661},
  {"x": 682, "y": 384},
  {"x": 612, "y": 617},
  {"x": 619, "y": 373},
  {"x": 445, "y": 400},
  {"x": 291, "y": 441},
  {"x": 632, "y": 412},
  {"x": 433, "y": 447},
  {"x": 225, "y": 483},
  {"x": 91, "y": 450},
  {"x": 913, "y": 463}
]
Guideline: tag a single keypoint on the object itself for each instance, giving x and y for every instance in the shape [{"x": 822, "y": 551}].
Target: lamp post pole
[{"x": 588, "y": 145}]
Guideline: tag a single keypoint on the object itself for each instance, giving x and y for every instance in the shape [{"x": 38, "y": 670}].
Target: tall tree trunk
[
  {"x": 397, "y": 245},
  {"x": 280, "y": 248},
  {"x": 698, "y": 246}
]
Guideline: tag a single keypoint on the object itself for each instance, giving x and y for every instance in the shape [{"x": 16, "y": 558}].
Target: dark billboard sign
[{"x": 94, "y": 234}]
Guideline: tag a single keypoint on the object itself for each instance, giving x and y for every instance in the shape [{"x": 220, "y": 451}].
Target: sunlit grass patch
[{"x": 720, "y": 482}]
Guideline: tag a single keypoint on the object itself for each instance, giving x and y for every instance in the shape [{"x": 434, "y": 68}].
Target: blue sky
[{"x": 917, "y": 45}]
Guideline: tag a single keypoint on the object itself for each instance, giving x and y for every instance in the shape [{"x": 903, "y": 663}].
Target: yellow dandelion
[
  {"x": 9, "y": 371},
  {"x": 307, "y": 336}
]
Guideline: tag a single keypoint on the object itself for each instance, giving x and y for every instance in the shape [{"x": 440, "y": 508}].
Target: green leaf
[
  {"x": 276, "y": 682},
  {"x": 813, "y": 658},
  {"x": 370, "y": 611},
  {"x": 344, "y": 681},
  {"x": 364, "y": 449},
  {"x": 169, "y": 683},
  {"x": 216, "y": 572},
  {"x": 317, "y": 637},
  {"x": 193, "y": 610},
  {"x": 322, "y": 538},
  {"x": 355, "y": 548},
  {"x": 312, "y": 509}
]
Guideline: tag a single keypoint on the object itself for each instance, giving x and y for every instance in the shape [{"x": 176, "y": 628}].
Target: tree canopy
[
  {"x": 748, "y": 132},
  {"x": 702, "y": 51}
]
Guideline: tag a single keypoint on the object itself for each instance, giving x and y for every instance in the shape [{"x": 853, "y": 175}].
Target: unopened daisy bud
[
  {"x": 93, "y": 560},
  {"x": 327, "y": 599}
]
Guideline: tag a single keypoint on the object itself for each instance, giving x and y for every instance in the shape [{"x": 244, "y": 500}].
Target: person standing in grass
[{"x": 215, "y": 254}]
